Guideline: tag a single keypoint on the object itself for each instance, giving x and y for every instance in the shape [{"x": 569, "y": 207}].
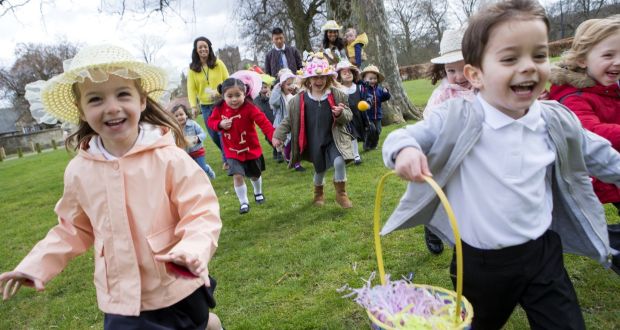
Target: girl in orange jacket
[{"x": 145, "y": 205}]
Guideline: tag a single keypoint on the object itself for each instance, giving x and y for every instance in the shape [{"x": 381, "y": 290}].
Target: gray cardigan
[{"x": 450, "y": 133}]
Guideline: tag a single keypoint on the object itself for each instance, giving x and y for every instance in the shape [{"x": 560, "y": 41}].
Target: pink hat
[
  {"x": 318, "y": 66},
  {"x": 251, "y": 79}
]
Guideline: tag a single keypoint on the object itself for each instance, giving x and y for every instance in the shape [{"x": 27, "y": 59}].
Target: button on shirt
[{"x": 501, "y": 193}]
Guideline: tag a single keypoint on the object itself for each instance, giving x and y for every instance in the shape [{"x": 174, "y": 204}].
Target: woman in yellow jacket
[{"x": 205, "y": 73}]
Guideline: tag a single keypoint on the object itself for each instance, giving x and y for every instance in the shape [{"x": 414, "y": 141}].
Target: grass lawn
[{"x": 278, "y": 267}]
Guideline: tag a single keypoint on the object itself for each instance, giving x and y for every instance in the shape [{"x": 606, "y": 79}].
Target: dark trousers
[
  {"x": 190, "y": 313},
  {"x": 531, "y": 275}
]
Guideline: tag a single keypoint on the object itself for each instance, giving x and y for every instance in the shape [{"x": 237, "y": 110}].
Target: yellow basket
[{"x": 464, "y": 310}]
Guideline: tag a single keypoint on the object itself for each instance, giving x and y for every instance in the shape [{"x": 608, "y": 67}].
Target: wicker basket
[{"x": 464, "y": 311}]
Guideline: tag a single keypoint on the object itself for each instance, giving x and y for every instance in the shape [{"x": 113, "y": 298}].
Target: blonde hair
[
  {"x": 153, "y": 114},
  {"x": 589, "y": 34}
]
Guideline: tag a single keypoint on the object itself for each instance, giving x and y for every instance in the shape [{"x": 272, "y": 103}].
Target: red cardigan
[
  {"x": 598, "y": 109},
  {"x": 241, "y": 141}
]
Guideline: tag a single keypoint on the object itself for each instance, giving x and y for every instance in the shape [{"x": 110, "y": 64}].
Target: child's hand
[
  {"x": 411, "y": 165},
  {"x": 276, "y": 143},
  {"x": 225, "y": 124},
  {"x": 10, "y": 282},
  {"x": 337, "y": 109},
  {"x": 191, "y": 262},
  {"x": 191, "y": 140}
]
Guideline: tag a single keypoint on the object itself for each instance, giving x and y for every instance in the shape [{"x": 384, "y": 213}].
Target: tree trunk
[{"x": 370, "y": 17}]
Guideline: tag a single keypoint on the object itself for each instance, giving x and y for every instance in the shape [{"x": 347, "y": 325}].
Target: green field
[{"x": 278, "y": 267}]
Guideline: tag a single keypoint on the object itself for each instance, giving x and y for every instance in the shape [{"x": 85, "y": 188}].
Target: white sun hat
[
  {"x": 97, "y": 63},
  {"x": 331, "y": 25},
  {"x": 450, "y": 47}
]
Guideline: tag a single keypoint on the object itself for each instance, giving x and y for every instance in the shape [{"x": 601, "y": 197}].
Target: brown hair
[
  {"x": 435, "y": 72},
  {"x": 153, "y": 114},
  {"x": 328, "y": 83},
  {"x": 588, "y": 34},
  {"x": 481, "y": 25},
  {"x": 184, "y": 108}
]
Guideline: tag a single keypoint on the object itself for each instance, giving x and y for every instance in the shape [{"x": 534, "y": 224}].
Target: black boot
[{"x": 433, "y": 243}]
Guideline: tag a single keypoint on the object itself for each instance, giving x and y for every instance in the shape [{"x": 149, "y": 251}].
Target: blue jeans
[
  {"x": 216, "y": 137},
  {"x": 205, "y": 167}
]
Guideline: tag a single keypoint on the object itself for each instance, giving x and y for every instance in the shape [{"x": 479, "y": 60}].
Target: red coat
[
  {"x": 598, "y": 109},
  {"x": 241, "y": 141}
]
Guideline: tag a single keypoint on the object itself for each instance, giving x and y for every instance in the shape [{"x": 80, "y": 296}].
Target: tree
[
  {"x": 370, "y": 17},
  {"x": 436, "y": 14},
  {"x": 34, "y": 62},
  {"x": 463, "y": 9},
  {"x": 412, "y": 36},
  {"x": 149, "y": 46}
]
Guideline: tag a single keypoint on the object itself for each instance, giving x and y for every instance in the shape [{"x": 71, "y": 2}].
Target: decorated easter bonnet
[
  {"x": 95, "y": 63},
  {"x": 450, "y": 47},
  {"x": 330, "y": 25},
  {"x": 318, "y": 66},
  {"x": 251, "y": 79},
  {"x": 375, "y": 70}
]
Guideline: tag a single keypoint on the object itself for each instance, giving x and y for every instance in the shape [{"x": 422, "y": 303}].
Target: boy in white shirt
[{"x": 516, "y": 172}]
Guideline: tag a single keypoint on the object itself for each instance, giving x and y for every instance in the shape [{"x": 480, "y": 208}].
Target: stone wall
[{"x": 43, "y": 137}]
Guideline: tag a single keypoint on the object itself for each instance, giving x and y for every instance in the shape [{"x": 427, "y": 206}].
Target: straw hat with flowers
[
  {"x": 96, "y": 63},
  {"x": 318, "y": 66}
]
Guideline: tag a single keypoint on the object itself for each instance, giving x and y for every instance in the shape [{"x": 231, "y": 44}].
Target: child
[
  {"x": 262, "y": 102},
  {"x": 282, "y": 93},
  {"x": 317, "y": 122},
  {"x": 448, "y": 68},
  {"x": 235, "y": 116},
  {"x": 358, "y": 126},
  {"x": 515, "y": 170},
  {"x": 194, "y": 135},
  {"x": 355, "y": 46},
  {"x": 374, "y": 94},
  {"x": 586, "y": 81},
  {"x": 147, "y": 208}
]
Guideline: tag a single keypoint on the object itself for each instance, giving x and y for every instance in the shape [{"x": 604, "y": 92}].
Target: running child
[{"x": 194, "y": 135}]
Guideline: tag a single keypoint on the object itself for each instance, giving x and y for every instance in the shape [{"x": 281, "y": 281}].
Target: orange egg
[{"x": 363, "y": 106}]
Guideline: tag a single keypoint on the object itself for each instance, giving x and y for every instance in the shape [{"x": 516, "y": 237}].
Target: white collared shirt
[{"x": 501, "y": 194}]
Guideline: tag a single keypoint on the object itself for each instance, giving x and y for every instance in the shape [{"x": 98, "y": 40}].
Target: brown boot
[
  {"x": 341, "y": 195},
  {"x": 319, "y": 199}
]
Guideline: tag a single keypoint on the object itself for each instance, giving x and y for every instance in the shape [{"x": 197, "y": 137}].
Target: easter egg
[
  {"x": 363, "y": 106},
  {"x": 318, "y": 71}
]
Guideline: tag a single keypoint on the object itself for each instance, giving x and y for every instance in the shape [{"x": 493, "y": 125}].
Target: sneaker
[
  {"x": 259, "y": 198},
  {"x": 433, "y": 243},
  {"x": 225, "y": 166},
  {"x": 210, "y": 172},
  {"x": 299, "y": 168},
  {"x": 357, "y": 161},
  {"x": 244, "y": 208}
]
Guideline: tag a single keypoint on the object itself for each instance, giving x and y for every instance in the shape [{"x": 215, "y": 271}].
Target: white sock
[
  {"x": 258, "y": 185},
  {"x": 242, "y": 193}
]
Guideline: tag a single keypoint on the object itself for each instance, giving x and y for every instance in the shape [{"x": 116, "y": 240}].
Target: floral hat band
[
  {"x": 96, "y": 63},
  {"x": 318, "y": 66}
]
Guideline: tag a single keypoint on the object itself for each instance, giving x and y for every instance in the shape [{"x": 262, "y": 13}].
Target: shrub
[
  {"x": 54, "y": 145},
  {"x": 20, "y": 153},
  {"x": 37, "y": 146}
]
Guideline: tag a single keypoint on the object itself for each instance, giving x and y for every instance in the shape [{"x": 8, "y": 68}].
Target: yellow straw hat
[
  {"x": 375, "y": 70},
  {"x": 96, "y": 63}
]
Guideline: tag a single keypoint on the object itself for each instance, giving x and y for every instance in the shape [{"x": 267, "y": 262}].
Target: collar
[
  {"x": 283, "y": 47},
  {"x": 497, "y": 119},
  {"x": 147, "y": 134},
  {"x": 323, "y": 97}
]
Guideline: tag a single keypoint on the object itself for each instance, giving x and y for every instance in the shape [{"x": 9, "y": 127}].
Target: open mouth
[
  {"x": 612, "y": 74},
  {"x": 525, "y": 88},
  {"x": 115, "y": 122}
]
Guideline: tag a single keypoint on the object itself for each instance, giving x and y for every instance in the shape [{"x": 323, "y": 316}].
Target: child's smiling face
[
  {"x": 454, "y": 74},
  {"x": 234, "y": 97},
  {"x": 180, "y": 115},
  {"x": 112, "y": 109},
  {"x": 346, "y": 75},
  {"x": 602, "y": 62},
  {"x": 515, "y": 66},
  {"x": 371, "y": 78}
]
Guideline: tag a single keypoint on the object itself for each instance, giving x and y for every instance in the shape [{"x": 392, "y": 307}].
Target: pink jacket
[
  {"x": 153, "y": 200},
  {"x": 444, "y": 92}
]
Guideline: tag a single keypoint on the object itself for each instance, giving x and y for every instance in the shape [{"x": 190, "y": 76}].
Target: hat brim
[
  {"x": 380, "y": 77},
  {"x": 450, "y": 57},
  {"x": 59, "y": 100}
]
